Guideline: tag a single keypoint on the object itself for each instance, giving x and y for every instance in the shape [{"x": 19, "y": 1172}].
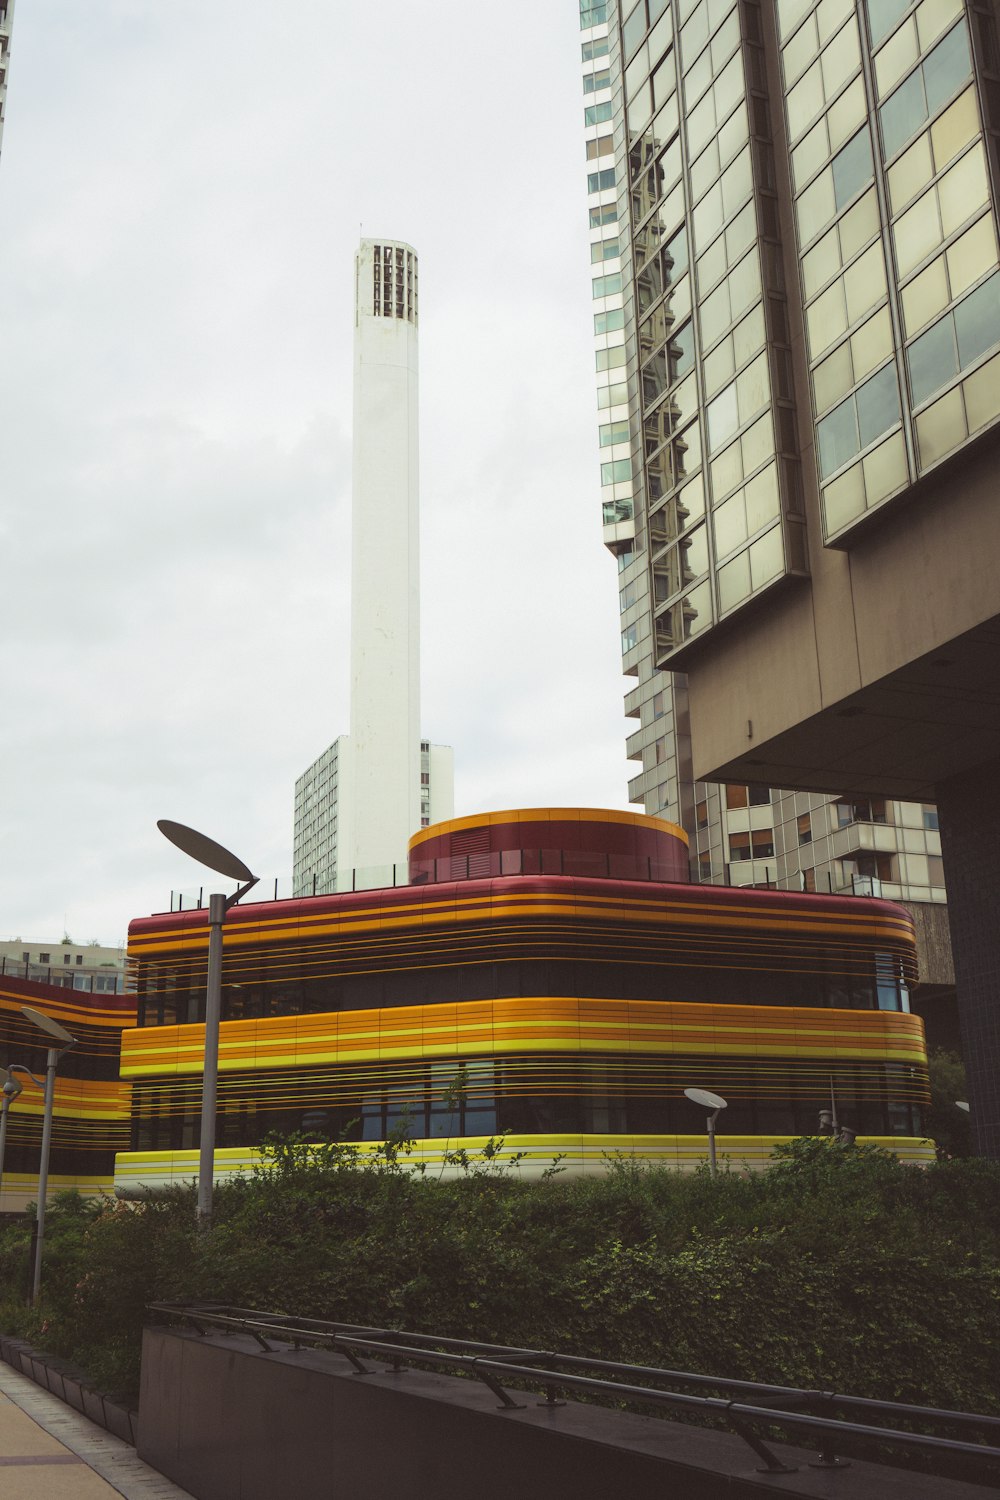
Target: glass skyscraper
[{"x": 796, "y": 297}]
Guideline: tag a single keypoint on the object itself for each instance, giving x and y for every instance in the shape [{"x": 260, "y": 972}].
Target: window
[
  {"x": 629, "y": 638},
  {"x": 935, "y": 869},
  {"x": 605, "y": 250},
  {"x": 809, "y": 880},
  {"x": 926, "y": 90},
  {"x": 758, "y": 795},
  {"x": 739, "y": 846},
  {"x": 597, "y": 182},
  {"x": 616, "y": 472},
  {"x": 762, "y": 843},
  {"x": 634, "y": 30},
  {"x": 805, "y": 829},
  {"x": 858, "y": 421},
  {"x": 853, "y": 168},
  {"x": 701, "y": 813},
  {"x": 930, "y": 818},
  {"x": 736, "y": 796},
  {"x": 612, "y": 433},
  {"x": 610, "y": 359},
  {"x": 596, "y": 114},
  {"x": 608, "y": 322},
  {"x": 67, "y": 958},
  {"x": 603, "y": 146},
  {"x": 883, "y": 15},
  {"x": 605, "y": 213},
  {"x": 79, "y": 958},
  {"x": 593, "y": 13},
  {"x": 594, "y": 82},
  {"x": 44, "y": 958},
  {"x": 607, "y": 286},
  {"x": 955, "y": 341},
  {"x": 657, "y": 705},
  {"x": 596, "y": 48}
]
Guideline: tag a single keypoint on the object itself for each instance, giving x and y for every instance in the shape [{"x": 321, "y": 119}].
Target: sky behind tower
[{"x": 182, "y": 190}]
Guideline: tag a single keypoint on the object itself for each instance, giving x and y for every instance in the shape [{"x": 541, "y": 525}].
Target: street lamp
[
  {"x": 713, "y": 1103},
  {"x": 54, "y": 1029},
  {"x": 207, "y": 852},
  {"x": 11, "y": 1089}
]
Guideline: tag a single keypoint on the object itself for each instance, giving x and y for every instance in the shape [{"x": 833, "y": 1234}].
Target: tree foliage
[{"x": 838, "y": 1267}]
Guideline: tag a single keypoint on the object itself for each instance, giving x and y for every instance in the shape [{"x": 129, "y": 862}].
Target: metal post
[
  {"x": 4, "y": 1110},
  {"x": 213, "y": 1011},
  {"x": 51, "y": 1059},
  {"x": 712, "y": 1167}
]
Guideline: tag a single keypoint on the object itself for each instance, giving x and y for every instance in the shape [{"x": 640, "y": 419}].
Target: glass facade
[
  {"x": 802, "y": 303},
  {"x": 886, "y": 108}
]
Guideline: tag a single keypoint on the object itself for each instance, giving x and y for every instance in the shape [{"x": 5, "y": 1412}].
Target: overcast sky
[{"x": 182, "y": 189}]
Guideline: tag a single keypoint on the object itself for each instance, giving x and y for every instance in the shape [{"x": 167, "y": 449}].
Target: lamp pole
[
  {"x": 713, "y": 1103},
  {"x": 54, "y": 1029},
  {"x": 10, "y": 1091},
  {"x": 207, "y": 852}
]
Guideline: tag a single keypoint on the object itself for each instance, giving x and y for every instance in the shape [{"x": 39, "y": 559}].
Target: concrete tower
[
  {"x": 358, "y": 804},
  {"x": 382, "y": 806}
]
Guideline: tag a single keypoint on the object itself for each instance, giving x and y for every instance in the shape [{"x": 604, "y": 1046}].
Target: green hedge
[{"x": 838, "y": 1267}]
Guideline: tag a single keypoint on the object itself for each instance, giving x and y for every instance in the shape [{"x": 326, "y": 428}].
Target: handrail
[{"x": 496, "y": 1364}]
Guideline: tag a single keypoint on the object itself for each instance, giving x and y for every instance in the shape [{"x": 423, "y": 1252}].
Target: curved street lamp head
[
  {"x": 705, "y": 1099},
  {"x": 10, "y": 1087},
  {"x": 205, "y": 850},
  {"x": 46, "y": 1023}
]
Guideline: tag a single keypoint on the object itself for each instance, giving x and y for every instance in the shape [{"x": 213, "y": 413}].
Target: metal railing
[{"x": 835, "y": 1422}]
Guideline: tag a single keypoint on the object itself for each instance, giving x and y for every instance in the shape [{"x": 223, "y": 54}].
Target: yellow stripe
[{"x": 537, "y": 1024}]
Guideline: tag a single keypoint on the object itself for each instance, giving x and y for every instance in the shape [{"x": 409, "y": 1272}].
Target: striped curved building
[
  {"x": 92, "y": 1104},
  {"x": 547, "y": 975}
]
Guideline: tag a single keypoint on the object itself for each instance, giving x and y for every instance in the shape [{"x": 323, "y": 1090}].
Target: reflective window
[
  {"x": 596, "y": 48},
  {"x": 593, "y": 82},
  {"x": 596, "y": 114},
  {"x": 927, "y": 89},
  {"x": 634, "y": 30},
  {"x": 597, "y": 182},
  {"x": 606, "y": 286},
  {"x": 607, "y": 322},
  {"x": 605, "y": 213},
  {"x": 955, "y": 341},
  {"x": 853, "y": 167},
  {"x": 935, "y": 216},
  {"x": 858, "y": 421},
  {"x": 883, "y": 15}
]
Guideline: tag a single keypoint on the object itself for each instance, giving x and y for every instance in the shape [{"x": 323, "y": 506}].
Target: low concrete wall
[{"x": 229, "y": 1421}]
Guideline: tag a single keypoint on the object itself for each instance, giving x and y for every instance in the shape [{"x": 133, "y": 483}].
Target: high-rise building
[
  {"x": 6, "y": 22},
  {"x": 357, "y": 805},
  {"x": 318, "y": 801},
  {"x": 701, "y": 474},
  {"x": 809, "y": 372}
]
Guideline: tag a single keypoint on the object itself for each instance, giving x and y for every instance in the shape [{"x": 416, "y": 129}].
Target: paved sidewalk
[{"x": 48, "y": 1451}]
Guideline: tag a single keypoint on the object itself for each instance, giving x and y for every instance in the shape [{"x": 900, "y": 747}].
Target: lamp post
[
  {"x": 11, "y": 1089},
  {"x": 53, "y": 1029},
  {"x": 713, "y": 1103},
  {"x": 207, "y": 852}
]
